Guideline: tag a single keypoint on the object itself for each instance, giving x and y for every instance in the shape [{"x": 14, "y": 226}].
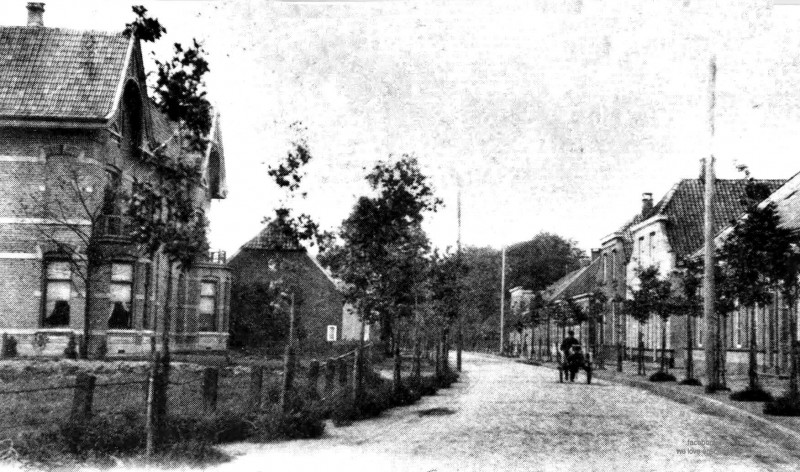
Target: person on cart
[
  {"x": 575, "y": 362},
  {"x": 567, "y": 344}
]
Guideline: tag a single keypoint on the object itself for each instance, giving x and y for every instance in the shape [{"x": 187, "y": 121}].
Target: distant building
[
  {"x": 77, "y": 125},
  {"x": 670, "y": 231},
  {"x": 269, "y": 258}
]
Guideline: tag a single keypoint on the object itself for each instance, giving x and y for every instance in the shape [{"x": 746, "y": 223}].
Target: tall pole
[
  {"x": 709, "y": 291},
  {"x": 502, "y": 300},
  {"x": 459, "y": 314}
]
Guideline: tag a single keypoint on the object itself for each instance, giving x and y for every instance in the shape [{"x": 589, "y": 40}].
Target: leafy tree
[
  {"x": 687, "y": 302},
  {"x": 595, "y": 311},
  {"x": 262, "y": 315},
  {"x": 383, "y": 244},
  {"x": 165, "y": 217},
  {"x": 751, "y": 258},
  {"x": 537, "y": 263},
  {"x": 652, "y": 297},
  {"x": 480, "y": 294}
]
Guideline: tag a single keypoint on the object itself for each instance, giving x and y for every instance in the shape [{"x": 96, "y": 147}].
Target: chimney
[
  {"x": 702, "y": 170},
  {"x": 647, "y": 203},
  {"x": 596, "y": 254},
  {"x": 35, "y": 14}
]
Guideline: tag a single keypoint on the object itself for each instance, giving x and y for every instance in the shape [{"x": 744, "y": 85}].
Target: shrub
[
  {"x": 216, "y": 428},
  {"x": 274, "y": 424},
  {"x": 98, "y": 437},
  {"x": 192, "y": 452},
  {"x": 691, "y": 382},
  {"x": 446, "y": 379},
  {"x": 751, "y": 395},
  {"x": 785, "y": 405},
  {"x": 71, "y": 351},
  {"x": 661, "y": 376},
  {"x": 9, "y": 346}
]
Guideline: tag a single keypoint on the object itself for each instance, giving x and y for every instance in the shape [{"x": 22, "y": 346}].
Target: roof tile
[{"x": 59, "y": 73}]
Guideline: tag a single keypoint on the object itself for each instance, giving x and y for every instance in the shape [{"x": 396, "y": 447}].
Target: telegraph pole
[
  {"x": 459, "y": 314},
  {"x": 712, "y": 347},
  {"x": 502, "y": 300}
]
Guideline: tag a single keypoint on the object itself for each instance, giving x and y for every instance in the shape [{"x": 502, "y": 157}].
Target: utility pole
[
  {"x": 712, "y": 347},
  {"x": 459, "y": 314},
  {"x": 502, "y": 300}
]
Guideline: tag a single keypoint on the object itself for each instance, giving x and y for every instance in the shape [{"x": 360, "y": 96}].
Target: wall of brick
[{"x": 318, "y": 303}]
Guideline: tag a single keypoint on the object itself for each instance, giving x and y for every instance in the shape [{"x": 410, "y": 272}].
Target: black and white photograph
[{"x": 400, "y": 236}]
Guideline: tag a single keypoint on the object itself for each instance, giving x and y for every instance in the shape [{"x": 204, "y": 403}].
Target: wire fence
[{"x": 43, "y": 400}]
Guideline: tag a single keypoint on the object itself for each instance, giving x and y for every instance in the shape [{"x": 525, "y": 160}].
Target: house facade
[
  {"x": 668, "y": 232},
  {"x": 271, "y": 258},
  {"x": 76, "y": 126}
]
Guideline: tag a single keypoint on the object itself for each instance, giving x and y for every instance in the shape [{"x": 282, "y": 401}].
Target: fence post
[
  {"x": 342, "y": 372},
  {"x": 330, "y": 374},
  {"x": 358, "y": 374},
  {"x": 313, "y": 379},
  {"x": 256, "y": 379},
  {"x": 210, "y": 386},
  {"x": 82, "y": 399},
  {"x": 416, "y": 367}
]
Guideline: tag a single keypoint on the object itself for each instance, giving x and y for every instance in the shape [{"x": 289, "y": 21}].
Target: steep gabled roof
[
  {"x": 684, "y": 207},
  {"x": 271, "y": 238},
  {"x": 554, "y": 290},
  {"x": 787, "y": 203},
  {"x": 54, "y": 73},
  {"x": 585, "y": 282}
]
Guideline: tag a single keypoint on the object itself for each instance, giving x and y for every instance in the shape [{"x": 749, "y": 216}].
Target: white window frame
[
  {"x": 331, "y": 333},
  {"x": 56, "y": 280},
  {"x": 119, "y": 280},
  {"x": 214, "y": 312}
]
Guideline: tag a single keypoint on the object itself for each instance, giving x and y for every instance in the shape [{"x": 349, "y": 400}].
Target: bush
[
  {"x": 751, "y": 395},
  {"x": 99, "y": 437},
  {"x": 446, "y": 379},
  {"x": 691, "y": 382},
  {"x": 9, "y": 346},
  {"x": 274, "y": 424},
  {"x": 662, "y": 377},
  {"x": 786, "y": 405},
  {"x": 71, "y": 351},
  {"x": 217, "y": 428}
]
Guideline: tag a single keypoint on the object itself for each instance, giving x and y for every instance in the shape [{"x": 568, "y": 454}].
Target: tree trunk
[
  {"x": 793, "y": 367},
  {"x": 689, "y": 348},
  {"x": 87, "y": 307},
  {"x": 397, "y": 381},
  {"x": 549, "y": 341},
  {"x": 752, "y": 371},
  {"x": 723, "y": 354},
  {"x": 664, "y": 365}
]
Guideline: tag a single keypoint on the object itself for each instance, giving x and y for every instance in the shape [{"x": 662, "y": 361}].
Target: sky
[{"x": 555, "y": 115}]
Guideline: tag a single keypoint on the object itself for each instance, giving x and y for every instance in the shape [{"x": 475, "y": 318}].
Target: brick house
[
  {"x": 772, "y": 331},
  {"x": 667, "y": 232},
  {"x": 270, "y": 257},
  {"x": 75, "y": 120}
]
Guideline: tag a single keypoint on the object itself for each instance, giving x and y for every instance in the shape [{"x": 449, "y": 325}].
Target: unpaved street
[{"x": 510, "y": 416}]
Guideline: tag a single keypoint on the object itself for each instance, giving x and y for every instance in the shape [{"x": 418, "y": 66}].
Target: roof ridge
[{"x": 66, "y": 30}]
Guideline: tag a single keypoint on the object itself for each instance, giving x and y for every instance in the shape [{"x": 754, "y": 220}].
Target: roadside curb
[{"x": 715, "y": 405}]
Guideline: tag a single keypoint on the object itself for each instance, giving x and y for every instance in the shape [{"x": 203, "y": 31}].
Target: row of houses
[
  {"x": 76, "y": 121},
  {"x": 664, "y": 234}
]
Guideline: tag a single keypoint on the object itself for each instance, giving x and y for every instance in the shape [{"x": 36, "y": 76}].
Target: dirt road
[{"x": 509, "y": 416}]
